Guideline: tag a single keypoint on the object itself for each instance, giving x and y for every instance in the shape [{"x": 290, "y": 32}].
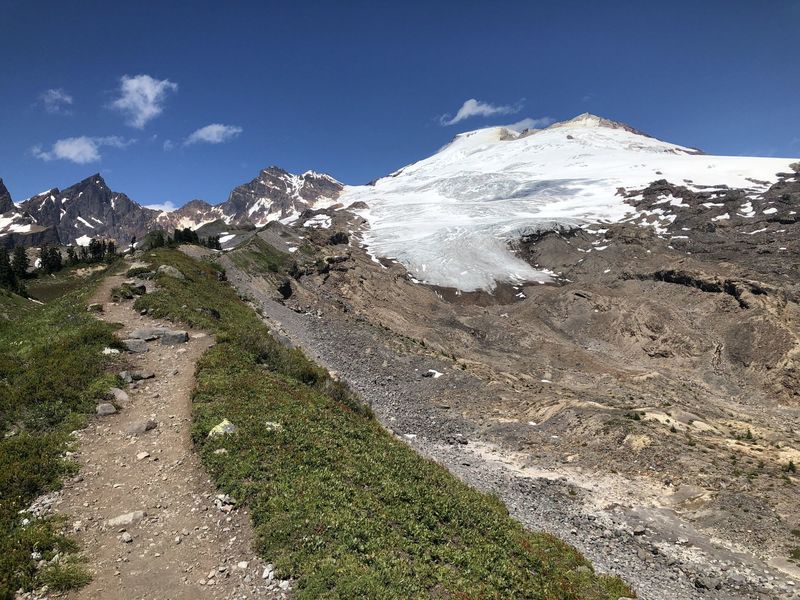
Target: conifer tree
[{"x": 20, "y": 263}]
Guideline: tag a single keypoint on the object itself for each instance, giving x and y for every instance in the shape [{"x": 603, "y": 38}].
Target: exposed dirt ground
[{"x": 183, "y": 546}]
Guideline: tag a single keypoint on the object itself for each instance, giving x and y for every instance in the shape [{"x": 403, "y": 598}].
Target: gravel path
[{"x": 659, "y": 554}]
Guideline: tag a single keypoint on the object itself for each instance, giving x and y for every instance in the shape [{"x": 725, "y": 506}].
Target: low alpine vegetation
[
  {"x": 52, "y": 373},
  {"x": 338, "y": 503}
]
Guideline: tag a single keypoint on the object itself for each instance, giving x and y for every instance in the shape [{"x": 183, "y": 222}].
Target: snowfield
[{"x": 449, "y": 218}]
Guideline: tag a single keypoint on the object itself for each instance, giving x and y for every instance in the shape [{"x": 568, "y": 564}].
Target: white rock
[
  {"x": 224, "y": 427},
  {"x": 126, "y": 519}
]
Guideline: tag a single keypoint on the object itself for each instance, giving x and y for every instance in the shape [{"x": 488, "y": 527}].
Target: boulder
[
  {"x": 126, "y": 376},
  {"x": 119, "y": 395},
  {"x": 105, "y": 408},
  {"x": 174, "y": 337},
  {"x": 171, "y": 271},
  {"x": 148, "y": 333},
  {"x": 135, "y": 345}
]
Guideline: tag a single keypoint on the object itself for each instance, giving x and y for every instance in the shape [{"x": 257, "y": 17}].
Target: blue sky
[{"x": 178, "y": 100}]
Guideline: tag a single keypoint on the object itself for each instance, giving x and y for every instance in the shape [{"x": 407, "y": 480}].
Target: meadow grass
[{"x": 52, "y": 372}]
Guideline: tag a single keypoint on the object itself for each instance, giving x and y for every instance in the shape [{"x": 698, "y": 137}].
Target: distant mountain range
[
  {"x": 91, "y": 209},
  {"x": 451, "y": 214}
]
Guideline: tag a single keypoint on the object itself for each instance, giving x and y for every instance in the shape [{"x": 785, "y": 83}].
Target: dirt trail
[{"x": 185, "y": 547}]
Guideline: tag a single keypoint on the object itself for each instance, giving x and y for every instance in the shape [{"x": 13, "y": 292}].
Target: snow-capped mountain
[
  {"x": 449, "y": 218},
  {"x": 18, "y": 227},
  {"x": 275, "y": 195},
  {"x": 89, "y": 209}
]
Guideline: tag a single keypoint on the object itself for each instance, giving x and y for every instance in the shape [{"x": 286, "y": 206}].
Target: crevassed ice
[{"x": 449, "y": 218}]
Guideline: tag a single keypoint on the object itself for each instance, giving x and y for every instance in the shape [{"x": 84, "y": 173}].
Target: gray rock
[
  {"x": 126, "y": 376},
  {"x": 119, "y": 395},
  {"x": 174, "y": 337},
  {"x": 139, "y": 375},
  {"x": 127, "y": 519},
  {"x": 135, "y": 345},
  {"x": 141, "y": 427},
  {"x": 126, "y": 537},
  {"x": 707, "y": 583},
  {"x": 171, "y": 271},
  {"x": 148, "y": 333},
  {"x": 168, "y": 336},
  {"x": 105, "y": 408}
]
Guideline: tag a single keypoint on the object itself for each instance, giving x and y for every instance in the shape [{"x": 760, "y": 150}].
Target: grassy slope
[
  {"x": 51, "y": 374},
  {"x": 336, "y": 501},
  {"x": 258, "y": 255}
]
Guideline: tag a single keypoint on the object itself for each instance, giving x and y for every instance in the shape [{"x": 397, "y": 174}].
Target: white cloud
[
  {"x": 529, "y": 123},
  {"x": 168, "y": 145},
  {"x": 142, "y": 98},
  {"x": 476, "y": 108},
  {"x": 56, "y": 101},
  {"x": 80, "y": 150},
  {"x": 164, "y": 206},
  {"x": 215, "y": 133}
]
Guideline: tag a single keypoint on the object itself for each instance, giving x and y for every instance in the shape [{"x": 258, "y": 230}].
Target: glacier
[{"x": 450, "y": 218}]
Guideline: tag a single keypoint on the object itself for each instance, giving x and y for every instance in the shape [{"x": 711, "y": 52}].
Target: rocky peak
[
  {"x": 6, "y": 204},
  {"x": 194, "y": 206},
  {"x": 277, "y": 194}
]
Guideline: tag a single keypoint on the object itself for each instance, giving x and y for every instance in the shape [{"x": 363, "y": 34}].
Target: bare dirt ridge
[{"x": 173, "y": 542}]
